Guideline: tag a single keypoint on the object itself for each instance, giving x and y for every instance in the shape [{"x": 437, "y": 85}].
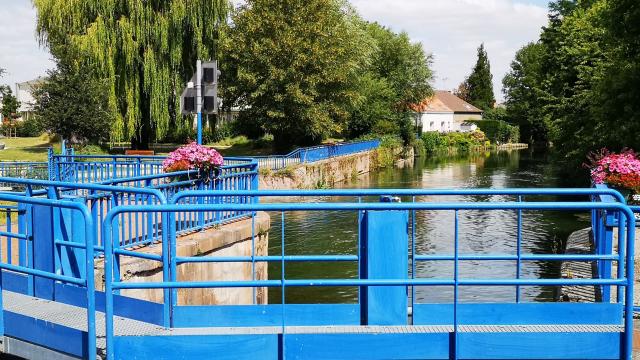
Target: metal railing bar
[
  {"x": 525, "y": 257},
  {"x": 273, "y": 258},
  {"x": 366, "y": 282}
]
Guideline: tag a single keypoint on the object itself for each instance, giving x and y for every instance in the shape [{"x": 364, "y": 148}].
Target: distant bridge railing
[
  {"x": 387, "y": 258},
  {"x": 315, "y": 153},
  {"x": 101, "y": 182},
  {"x": 24, "y": 170}
]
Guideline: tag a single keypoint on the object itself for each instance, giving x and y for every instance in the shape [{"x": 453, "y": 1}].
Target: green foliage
[
  {"x": 146, "y": 50},
  {"x": 10, "y": 103},
  {"x": 74, "y": 105},
  {"x": 218, "y": 134},
  {"x": 579, "y": 86},
  {"x": 30, "y": 127},
  {"x": 499, "y": 131},
  {"x": 524, "y": 94},
  {"x": 433, "y": 141},
  {"x": 398, "y": 75},
  {"x": 458, "y": 141},
  {"x": 477, "y": 89},
  {"x": 373, "y": 110},
  {"x": 291, "y": 66}
]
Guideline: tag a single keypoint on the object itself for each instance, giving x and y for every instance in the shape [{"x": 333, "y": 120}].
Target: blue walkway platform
[
  {"x": 51, "y": 308},
  {"x": 59, "y": 329}
]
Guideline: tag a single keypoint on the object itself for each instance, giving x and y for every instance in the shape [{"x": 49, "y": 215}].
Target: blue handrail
[
  {"x": 89, "y": 277},
  {"x": 315, "y": 153},
  {"x": 624, "y": 256}
]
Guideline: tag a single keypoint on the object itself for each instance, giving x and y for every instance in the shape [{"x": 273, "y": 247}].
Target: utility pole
[
  {"x": 199, "y": 99},
  {"x": 201, "y": 94}
]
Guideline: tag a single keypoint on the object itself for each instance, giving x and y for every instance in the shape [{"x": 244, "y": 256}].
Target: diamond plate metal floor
[{"x": 76, "y": 318}]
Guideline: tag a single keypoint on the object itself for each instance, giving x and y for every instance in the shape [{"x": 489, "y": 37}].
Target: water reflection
[{"x": 481, "y": 232}]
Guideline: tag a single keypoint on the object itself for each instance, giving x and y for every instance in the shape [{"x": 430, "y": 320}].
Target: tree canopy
[
  {"x": 10, "y": 103},
  {"x": 524, "y": 94},
  {"x": 477, "y": 89},
  {"x": 71, "y": 103},
  {"x": 291, "y": 66},
  {"x": 398, "y": 76},
  {"x": 146, "y": 50},
  {"x": 579, "y": 85},
  {"x": 306, "y": 70}
]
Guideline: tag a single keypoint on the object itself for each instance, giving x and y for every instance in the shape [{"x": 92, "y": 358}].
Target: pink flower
[{"x": 195, "y": 156}]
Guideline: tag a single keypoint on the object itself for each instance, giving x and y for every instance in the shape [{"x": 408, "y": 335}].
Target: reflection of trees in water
[{"x": 481, "y": 232}]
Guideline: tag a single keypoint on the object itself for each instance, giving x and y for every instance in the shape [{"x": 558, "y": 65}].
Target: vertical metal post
[
  {"x": 90, "y": 283},
  {"x": 107, "y": 232},
  {"x": 519, "y": 250},
  {"x": 198, "y": 85},
  {"x": 455, "y": 288},
  {"x": 167, "y": 303},
  {"x": 629, "y": 293},
  {"x": 284, "y": 314},
  {"x": 413, "y": 256}
]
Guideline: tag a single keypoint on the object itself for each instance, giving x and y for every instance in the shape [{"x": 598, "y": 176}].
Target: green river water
[{"x": 481, "y": 232}]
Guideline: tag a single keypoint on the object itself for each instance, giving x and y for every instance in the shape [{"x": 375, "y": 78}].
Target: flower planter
[{"x": 206, "y": 161}]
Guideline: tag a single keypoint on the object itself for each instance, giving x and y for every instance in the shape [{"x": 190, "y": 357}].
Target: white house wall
[{"x": 442, "y": 122}]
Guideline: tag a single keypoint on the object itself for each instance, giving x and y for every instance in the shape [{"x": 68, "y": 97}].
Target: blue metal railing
[
  {"x": 315, "y": 153},
  {"x": 146, "y": 172},
  {"x": 623, "y": 280},
  {"x": 23, "y": 169},
  {"x": 26, "y": 264}
]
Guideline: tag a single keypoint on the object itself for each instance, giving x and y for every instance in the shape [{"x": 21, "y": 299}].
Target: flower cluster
[
  {"x": 620, "y": 170},
  {"x": 192, "y": 157}
]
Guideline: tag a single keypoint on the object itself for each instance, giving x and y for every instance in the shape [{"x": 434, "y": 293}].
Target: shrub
[
  {"x": 433, "y": 141},
  {"x": 498, "y": 131}
]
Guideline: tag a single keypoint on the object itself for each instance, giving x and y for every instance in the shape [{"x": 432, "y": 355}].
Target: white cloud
[
  {"x": 20, "y": 53},
  {"x": 450, "y": 29},
  {"x": 453, "y": 29}
]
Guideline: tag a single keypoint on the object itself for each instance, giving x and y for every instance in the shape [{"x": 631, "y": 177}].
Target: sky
[{"x": 451, "y": 30}]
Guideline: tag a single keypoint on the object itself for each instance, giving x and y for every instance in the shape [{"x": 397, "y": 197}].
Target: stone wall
[
  {"x": 328, "y": 172},
  {"x": 234, "y": 239}
]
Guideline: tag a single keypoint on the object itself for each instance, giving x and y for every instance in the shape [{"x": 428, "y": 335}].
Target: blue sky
[{"x": 451, "y": 30}]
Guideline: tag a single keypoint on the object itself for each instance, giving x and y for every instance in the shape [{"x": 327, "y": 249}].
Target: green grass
[
  {"x": 241, "y": 146},
  {"x": 26, "y": 149}
]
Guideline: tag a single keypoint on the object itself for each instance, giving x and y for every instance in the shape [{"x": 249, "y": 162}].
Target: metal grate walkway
[{"x": 76, "y": 318}]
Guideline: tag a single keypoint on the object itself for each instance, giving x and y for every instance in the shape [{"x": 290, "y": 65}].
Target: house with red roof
[{"x": 445, "y": 112}]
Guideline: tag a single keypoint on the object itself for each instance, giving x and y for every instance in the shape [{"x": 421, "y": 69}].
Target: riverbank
[{"x": 326, "y": 173}]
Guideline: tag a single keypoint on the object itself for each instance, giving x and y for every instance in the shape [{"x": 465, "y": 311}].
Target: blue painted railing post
[
  {"x": 383, "y": 255},
  {"x": 255, "y": 180},
  {"x": 43, "y": 251},
  {"x": 606, "y": 248},
  {"x": 51, "y": 165}
]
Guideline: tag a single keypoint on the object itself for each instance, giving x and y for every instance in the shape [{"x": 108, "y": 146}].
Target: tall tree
[
  {"x": 524, "y": 94},
  {"x": 10, "y": 103},
  {"x": 619, "y": 89},
  {"x": 291, "y": 65},
  {"x": 146, "y": 49},
  {"x": 479, "y": 84},
  {"x": 399, "y": 75},
  {"x": 72, "y": 103}
]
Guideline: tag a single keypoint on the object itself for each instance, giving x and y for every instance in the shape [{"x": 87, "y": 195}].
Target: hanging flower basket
[
  {"x": 206, "y": 161},
  {"x": 619, "y": 171}
]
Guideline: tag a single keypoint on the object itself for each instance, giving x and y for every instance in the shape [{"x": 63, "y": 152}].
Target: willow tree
[{"x": 147, "y": 50}]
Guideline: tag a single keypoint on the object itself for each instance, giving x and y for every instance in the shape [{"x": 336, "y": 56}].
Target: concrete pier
[{"x": 233, "y": 239}]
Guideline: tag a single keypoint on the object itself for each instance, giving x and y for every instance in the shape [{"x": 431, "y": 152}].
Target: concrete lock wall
[{"x": 233, "y": 239}]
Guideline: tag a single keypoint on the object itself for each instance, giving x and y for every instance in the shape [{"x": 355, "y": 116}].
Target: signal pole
[
  {"x": 199, "y": 99},
  {"x": 201, "y": 94}
]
